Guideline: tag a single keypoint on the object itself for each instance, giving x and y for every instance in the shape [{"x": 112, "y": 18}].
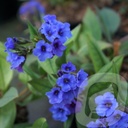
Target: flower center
[
  {"x": 56, "y": 92},
  {"x": 49, "y": 33},
  {"x": 72, "y": 105},
  {"x": 61, "y": 110},
  {"x": 60, "y": 32},
  {"x": 117, "y": 116},
  {"x": 108, "y": 105},
  {"x": 66, "y": 80},
  {"x": 43, "y": 49},
  {"x": 56, "y": 45},
  {"x": 67, "y": 68}
]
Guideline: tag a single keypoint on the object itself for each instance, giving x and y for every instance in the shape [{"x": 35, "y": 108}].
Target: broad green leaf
[
  {"x": 40, "y": 123},
  {"x": 24, "y": 77},
  {"x": 30, "y": 72},
  {"x": 79, "y": 125},
  {"x": 7, "y": 115},
  {"x": 39, "y": 86},
  {"x": 6, "y": 73},
  {"x": 124, "y": 48},
  {"x": 75, "y": 33},
  {"x": 97, "y": 56},
  {"x": 83, "y": 51},
  {"x": 111, "y": 19},
  {"x": 108, "y": 68},
  {"x": 91, "y": 24},
  {"x": 33, "y": 32},
  {"x": 49, "y": 65},
  {"x": 52, "y": 79},
  {"x": 10, "y": 95}
]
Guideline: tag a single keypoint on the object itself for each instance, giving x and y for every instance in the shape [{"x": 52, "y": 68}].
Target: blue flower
[
  {"x": 68, "y": 97},
  {"x": 69, "y": 67},
  {"x": 16, "y": 61},
  {"x": 63, "y": 30},
  {"x": 50, "y": 19},
  {"x": 74, "y": 106},
  {"x": 53, "y": 29},
  {"x": 49, "y": 31},
  {"x": 10, "y": 43},
  {"x": 55, "y": 95},
  {"x": 97, "y": 124},
  {"x": 123, "y": 123},
  {"x": 106, "y": 104},
  {"x": 60, "y": 112},
  {"x": 31, "y": 7},
  {"x": 60, "y": 73},
  {"x": 115, "y": 118},
  {"x": 58, "y": 47},
  {"x": 82, "y": 78},
  {"x": 43, "y": 50},
  {"x": 67, "y": 82}
]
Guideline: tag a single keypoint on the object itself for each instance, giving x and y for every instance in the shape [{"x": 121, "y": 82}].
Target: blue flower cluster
[
  {"x": 32, "y": 7},
  {"x": 13, "y": 57},
  {"x": 63, "y": 96},
  {"x": 55, "y": 34},
  {"x": 110, "y": 116}
]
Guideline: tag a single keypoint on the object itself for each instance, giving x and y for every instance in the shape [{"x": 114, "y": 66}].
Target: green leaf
[
  {"x": 97, "y": 56},
  {"x": 75, "y": 33},
  {"x": 91, "y": 24},
  {"x": 124, "y": 48},
  {"x": 39, "y": 86},
  {"x": 108, "y": 68},
  {"x": 110, "y": 19},
  {"x": 40, "y": 123},
  {"x": 52, "y": 79},
  {"x": 6, "y": 73},
  {"x": 49, "y": 65},
  {"x": 24, "y": 77},
  {"x": 7, "y": 115},
  {"x": 30, "y": 73},
  {"x": 10, "y": 95},
  {"x": 83, "y": 51},
  {"x": 33, "y": 32}
]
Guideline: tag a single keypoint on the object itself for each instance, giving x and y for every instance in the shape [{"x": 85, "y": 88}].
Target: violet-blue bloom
[
  {"x": 43, "y": 50},
  {"x": 106, "y": 104},
  {"x": 68, "y": 67},
  {"x": 16, "y": 61},
  {"x": 55, "y": 95},
  {"x": 50, "y": 19},
  {"x": 49, "y": 31},
  {"x": 63, "y": 30},
  {"x": 82, "y": 78},
  {"x": 68, "y": 97},
  {"x": 67, "y": 82},
  {"x": 60, "y": 112},
  {"x": 10, "y": 43},
  {"x": 58, "y": 47},
  {"x": 115, "y": 117},
  {"x": 31, "y": 7},
  {"x": 122, "y": 123},
  {"x": 96, "y": 124},
  {"x": 74, "y": 106},
  {"x": 60, "y": 73}
]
